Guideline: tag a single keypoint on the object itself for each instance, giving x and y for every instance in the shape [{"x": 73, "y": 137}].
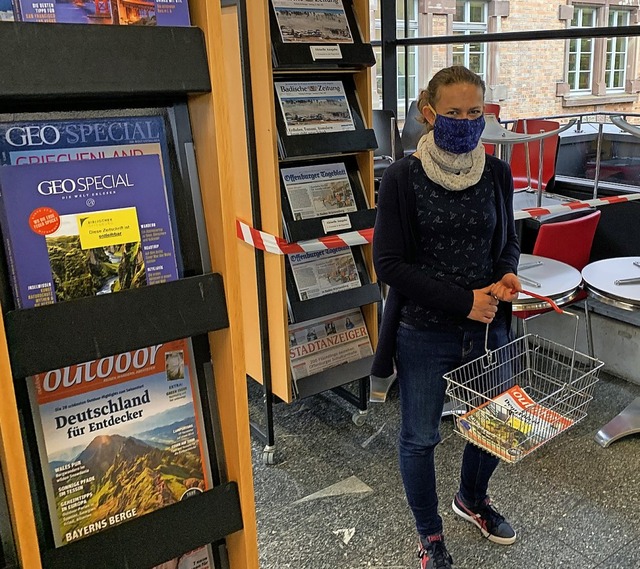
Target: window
[
  {"x": 471, "y": 18},
  {"x": 616, "y": 58},
  {"x": 598, "y": 67},
  {"x": 581, "y": 51},
  {"x": 407, "y": 57}
]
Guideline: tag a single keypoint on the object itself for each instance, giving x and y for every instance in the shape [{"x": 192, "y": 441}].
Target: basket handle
[
  {"x": 539, "y": 297},
  {"x": 545, "y": 299}
]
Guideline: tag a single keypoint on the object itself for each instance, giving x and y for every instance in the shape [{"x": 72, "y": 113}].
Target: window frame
[
  {"x": 413, "y": 28},
  {"x": 467, "y": 28},
  {"x": 599, "y": 92}
]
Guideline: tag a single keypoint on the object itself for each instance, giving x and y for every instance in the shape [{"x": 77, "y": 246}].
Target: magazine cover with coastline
[
  {"x": 119, "y": 437},
  {"x": 324, "y": 272},
  {"x": 84, "y": 228},
  {"x": 318, "y": 190},
  {"x": 122, "y": 12},
  {"x": 313, "y": 107},
  {"x": 6, "y": 11},
  {"x": 512, "y": 424},
  {"x": 312, "y": 21},
  {"x": 327, "y": 342}
]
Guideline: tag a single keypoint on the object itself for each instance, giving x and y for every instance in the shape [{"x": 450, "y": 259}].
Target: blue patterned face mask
[{"x": 457, "y": 136}]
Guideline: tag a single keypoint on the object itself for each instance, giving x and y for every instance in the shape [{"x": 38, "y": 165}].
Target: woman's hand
[
  {"x": 485, "y": 306},
  {"x": 507, "y": 288}
]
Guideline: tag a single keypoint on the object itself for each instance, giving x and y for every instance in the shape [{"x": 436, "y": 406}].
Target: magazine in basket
[
  {"x": 84, "y": 228},
  {"x": 512, "y": 424},
  {"x": 118, "y": 437},
  {"x": 326, "y": 342},
  {"x": 324, "y": 272}
]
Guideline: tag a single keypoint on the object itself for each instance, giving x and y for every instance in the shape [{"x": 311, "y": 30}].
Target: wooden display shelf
[{"x": 135, "y": 70}]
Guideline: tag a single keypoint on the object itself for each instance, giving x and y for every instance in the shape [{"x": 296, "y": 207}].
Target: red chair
[
  {"x": 569, "y": 242},
  {"x": 491, "y": 109},
  {"x": 527, "y": 177}
]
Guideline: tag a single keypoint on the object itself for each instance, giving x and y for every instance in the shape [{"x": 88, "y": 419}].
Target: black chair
[
  {"x": 389, "y": 146},
  {"x": 412, "y": 130}
]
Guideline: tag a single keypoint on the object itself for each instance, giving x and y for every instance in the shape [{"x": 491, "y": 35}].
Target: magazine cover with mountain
[
  {"x": 84, "y": 228},
  {"x": 122, "y": 12},
  {"x": 119, "y": 437}
]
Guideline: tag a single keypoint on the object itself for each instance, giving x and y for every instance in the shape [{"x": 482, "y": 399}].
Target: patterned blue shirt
[{"x": 455, "y": 232}]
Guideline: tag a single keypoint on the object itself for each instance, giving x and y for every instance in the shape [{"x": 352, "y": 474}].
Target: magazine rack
[
  {"x": 37, "y": 79},
  {"x": 262, "y": 202}
]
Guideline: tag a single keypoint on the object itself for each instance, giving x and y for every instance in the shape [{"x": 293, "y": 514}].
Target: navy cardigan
[{"x": 394, "y": 249}]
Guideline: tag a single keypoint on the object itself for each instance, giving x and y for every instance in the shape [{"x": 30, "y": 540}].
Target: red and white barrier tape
[
  {"x": 272, "y": 244},
  {"x": 583, "y": 204}
]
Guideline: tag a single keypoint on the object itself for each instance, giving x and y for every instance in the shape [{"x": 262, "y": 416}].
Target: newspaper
[
  {"x": 313, "y": 107},
  {"x": 324, "y": 272},
  {"x": 512, "y": 424},
  {"x": 318, "y": 190},
  {"x": 312, "y": 21},
  {"x": 327, "y": 342},
  {"x": 200, "y": 558}
]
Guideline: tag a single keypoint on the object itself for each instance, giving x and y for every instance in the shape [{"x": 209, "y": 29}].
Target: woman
[{"x": 445, "y": 243}]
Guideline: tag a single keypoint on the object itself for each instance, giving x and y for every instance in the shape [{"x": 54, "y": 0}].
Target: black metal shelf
[
  {"x": 57, "y": 335},
  {"x": 334, "y": 377},
  {"x": 44, "y": 62},
  {"x": 336, "y": 302},
  {"x": 313, "y": 228},
  {"x": 299, "y": 56},
  {"x": 157, "y": 536}
]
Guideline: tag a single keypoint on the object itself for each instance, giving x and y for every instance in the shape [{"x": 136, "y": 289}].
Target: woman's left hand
[{"x": 507, "y": 288}]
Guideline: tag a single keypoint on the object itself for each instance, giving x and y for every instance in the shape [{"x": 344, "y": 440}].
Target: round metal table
[
  {"x": 547, "y": 277},
  {"x": 616, "y": 282}
]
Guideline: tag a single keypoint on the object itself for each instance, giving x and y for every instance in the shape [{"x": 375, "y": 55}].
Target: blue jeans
[{"x": 422, "y": 358}]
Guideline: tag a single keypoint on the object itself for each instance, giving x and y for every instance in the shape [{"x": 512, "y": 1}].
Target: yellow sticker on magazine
[{"x": 110, "y": 227}]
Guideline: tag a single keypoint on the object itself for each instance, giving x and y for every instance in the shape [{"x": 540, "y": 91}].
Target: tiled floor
[{"x": 334, "y": 498}]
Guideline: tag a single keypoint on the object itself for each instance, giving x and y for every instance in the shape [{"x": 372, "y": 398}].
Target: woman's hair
[{"x": 447, "y": 76}]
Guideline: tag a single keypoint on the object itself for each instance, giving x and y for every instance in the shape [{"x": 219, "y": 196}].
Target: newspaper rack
[{"x": 514, "y": 399}]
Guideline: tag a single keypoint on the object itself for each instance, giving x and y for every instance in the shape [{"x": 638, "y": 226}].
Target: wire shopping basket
[{"x": 516, "y": 398}]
